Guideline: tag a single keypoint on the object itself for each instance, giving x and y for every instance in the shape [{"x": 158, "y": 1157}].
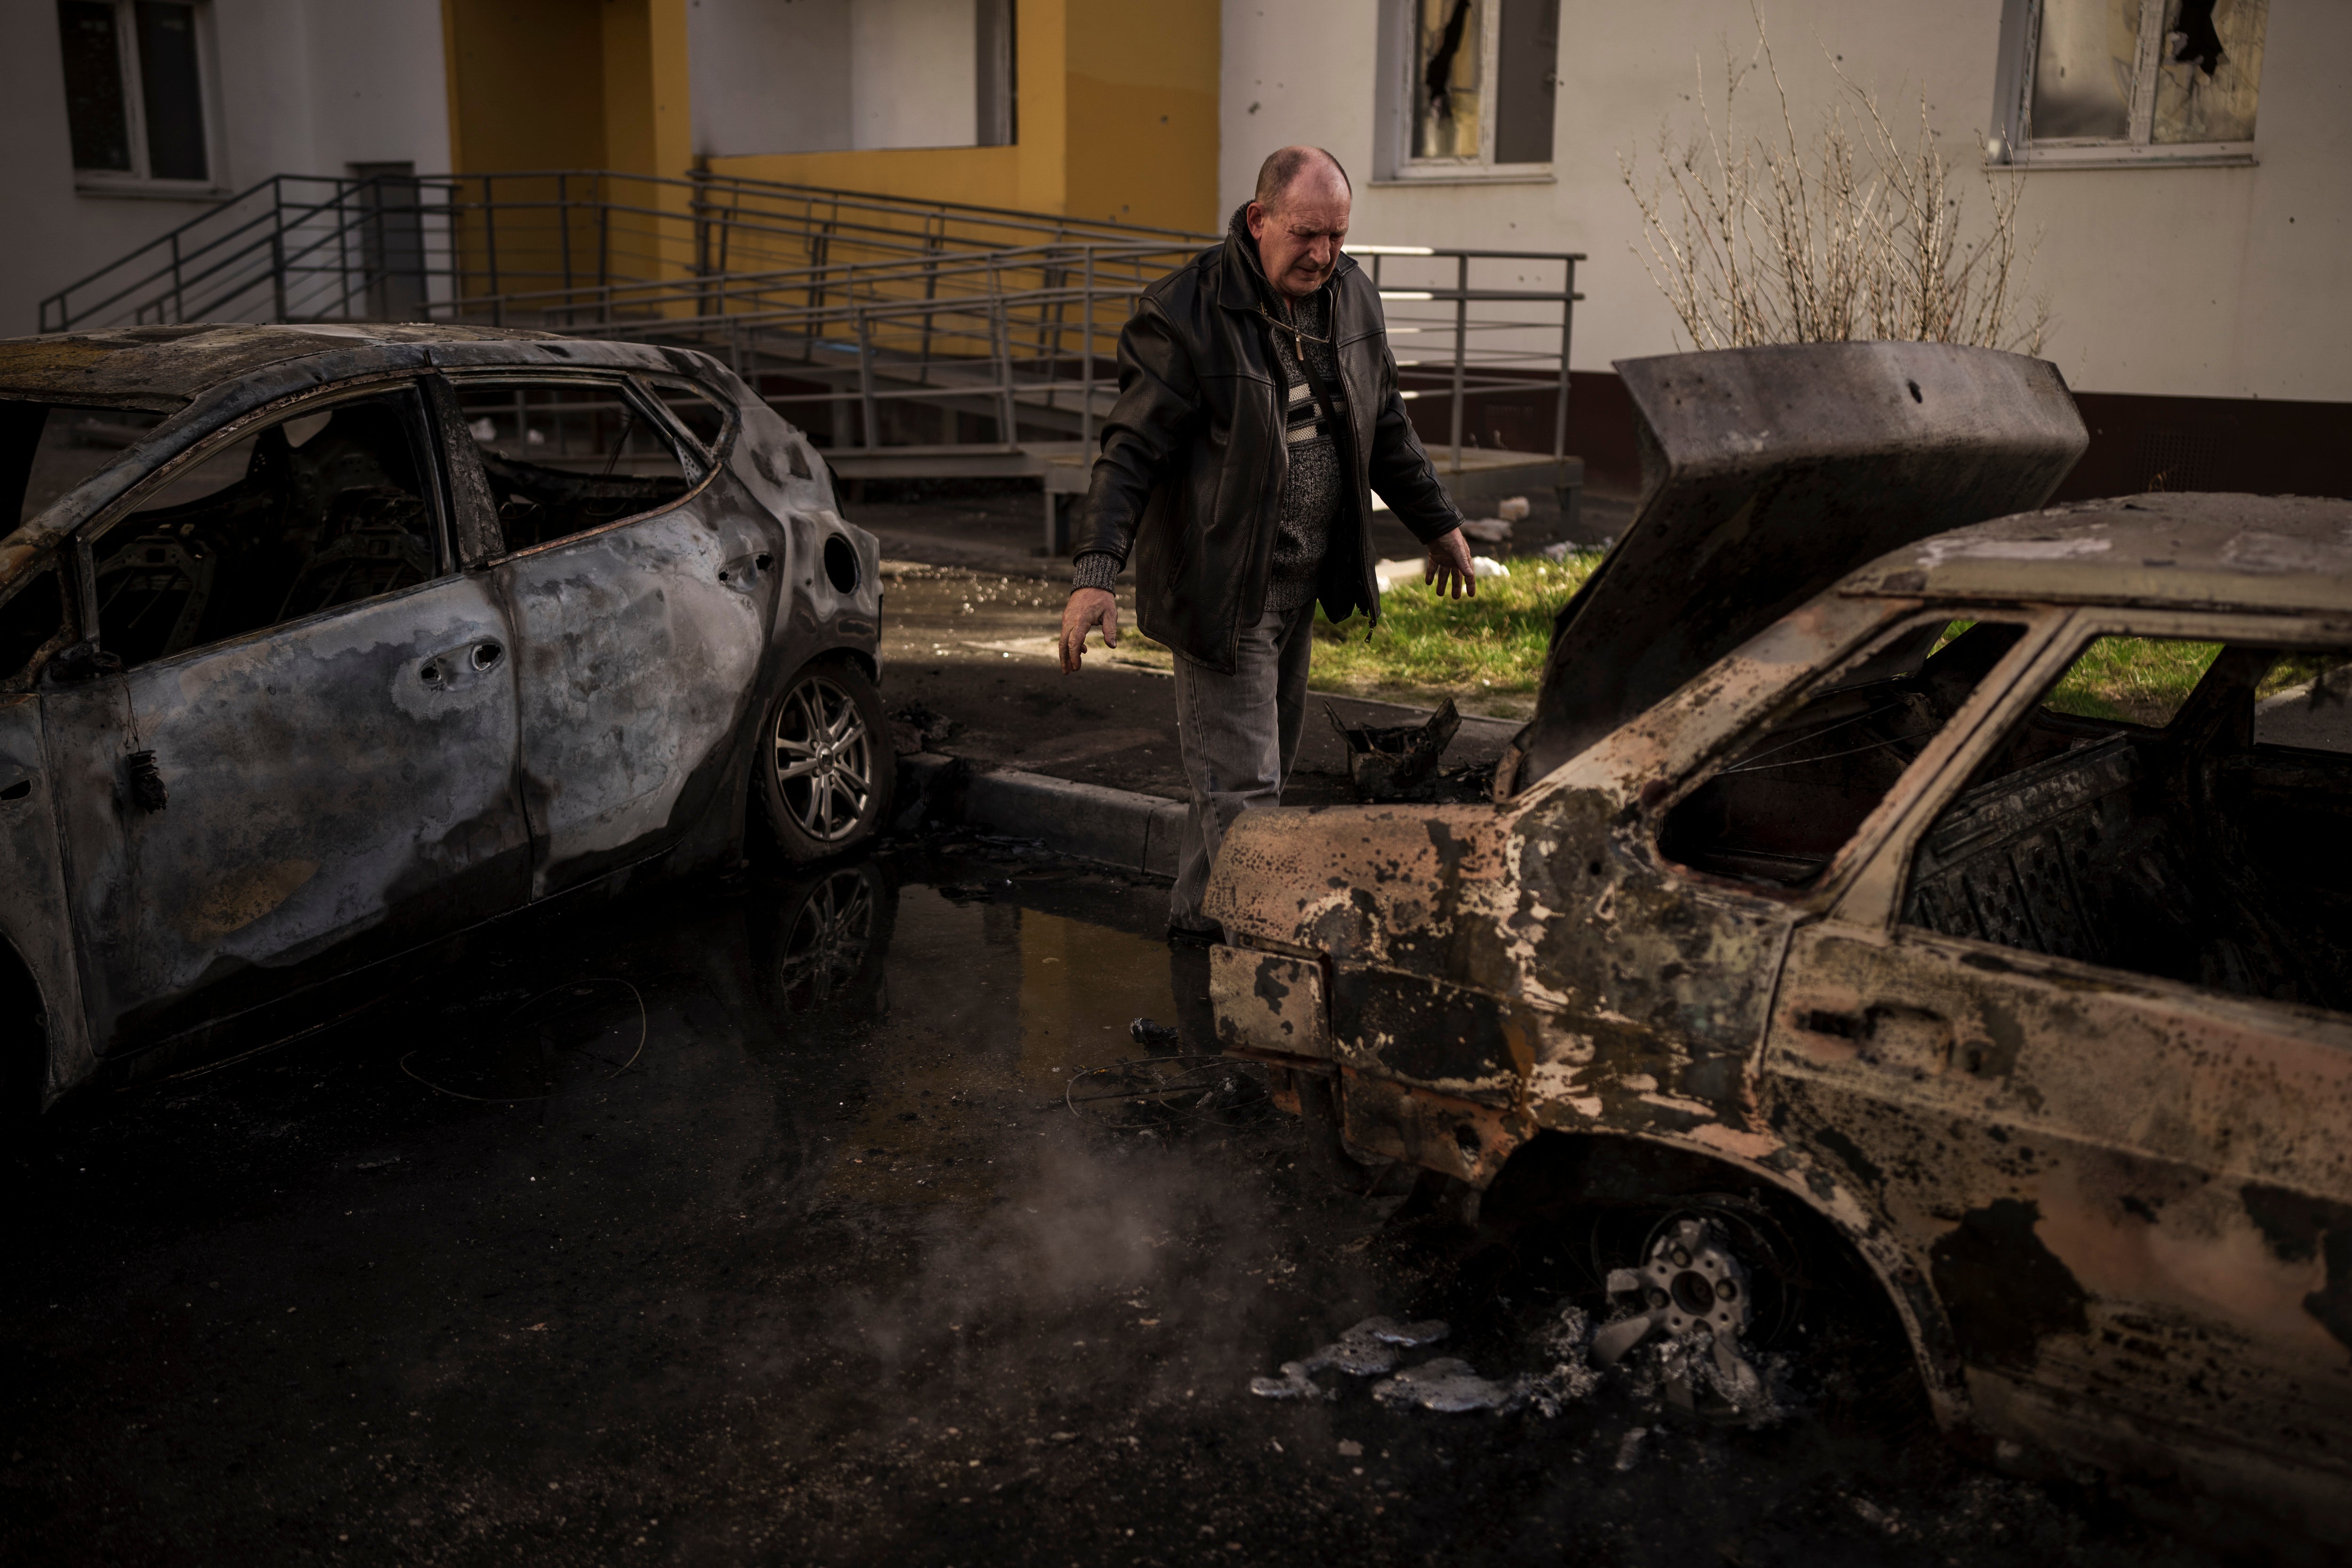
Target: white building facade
[
  {"x": 126, "y": 118},
  {"x": 2193, "y": 215}
]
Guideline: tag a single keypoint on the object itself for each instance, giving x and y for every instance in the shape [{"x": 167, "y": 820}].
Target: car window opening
[
  {"x": 312, "y": 512},
  {"x": 1779, "y": 812},
  {"x": 2171, "y": 808},
  {"x": 566, "y": 458}
]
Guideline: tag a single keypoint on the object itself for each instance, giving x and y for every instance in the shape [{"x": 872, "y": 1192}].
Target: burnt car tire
[{"x": 826, "y": 769}]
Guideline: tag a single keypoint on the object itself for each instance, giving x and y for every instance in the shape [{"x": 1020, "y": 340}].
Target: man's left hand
[{"x": 1449, "y": 566}]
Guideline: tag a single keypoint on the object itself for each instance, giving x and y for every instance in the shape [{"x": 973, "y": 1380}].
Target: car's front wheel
[{"x": 826, "y": 765}]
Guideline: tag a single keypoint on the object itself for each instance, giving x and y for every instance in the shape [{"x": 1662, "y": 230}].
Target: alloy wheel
[{"x": 823, "y": 757}]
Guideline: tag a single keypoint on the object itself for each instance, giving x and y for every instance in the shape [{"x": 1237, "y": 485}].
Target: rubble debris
[
  {"x": 1164, "y": 1090},
  {"x": 1451, "y": 1386},
  {"x": 1395, "y": 761},
  {"x": 1486, "y": 530},
  {"x": 1372, "y": 1347},
  {"x": 1513, "y": 508},
  {"x": 1158, "y": 1037},
  {"x": 1629, "y": 1448},
  {"x": 916, "y": 727}
]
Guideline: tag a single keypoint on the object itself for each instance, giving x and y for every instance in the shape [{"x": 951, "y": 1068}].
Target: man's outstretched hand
[
  {"x": 1089, "y": 608},
  {"x": 1448, "y": 566}
]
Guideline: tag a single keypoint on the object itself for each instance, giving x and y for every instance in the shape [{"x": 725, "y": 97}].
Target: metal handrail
[{"x": 857, "y": 303}]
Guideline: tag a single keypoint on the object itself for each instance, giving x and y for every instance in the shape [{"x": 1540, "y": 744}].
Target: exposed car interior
[
  {"x": 322, "y": 509},
  {"x": 2213, "y": 849},
  {"x": 2200, "y": 832},
  {"x": 565, "y": 457},
  {"x": 1779, "y": 812}
]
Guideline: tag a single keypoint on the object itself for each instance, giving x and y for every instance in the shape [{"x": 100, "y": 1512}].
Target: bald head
[
  {"x": 1286, "y": 167},
  {"x": 1299, "y": 218}
]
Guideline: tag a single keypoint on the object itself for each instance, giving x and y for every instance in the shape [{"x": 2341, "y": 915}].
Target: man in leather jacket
[{"x": 1257, "y": 411}]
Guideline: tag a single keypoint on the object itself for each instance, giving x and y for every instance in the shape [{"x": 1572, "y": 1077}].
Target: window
[
  {"x": 2109, "y": 82},
  {"x": 135, "y": 101},
  {"x": 32, "y": 623},
  {"x": 1473, "y": 87},
  {"x": 46, "y": 449},
  {"x": 2172, "y": 807},
  {"x": 1778, "y": 813},
  {"x": 325, "y": 507},
  {"x": 563, "y": 458}
]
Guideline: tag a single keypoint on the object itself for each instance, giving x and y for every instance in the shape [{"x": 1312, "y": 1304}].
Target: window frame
[
  {"x": 633, "y": 387},
  {"x": 82, "y": 598},
  {"x": 1874, "y": 899},
  {"x": 1399, "y": 55},
  {"x": 2011, "y": 144},
  {"x": 1893, "y": 814},
  {"x": 137, "y": 180}
]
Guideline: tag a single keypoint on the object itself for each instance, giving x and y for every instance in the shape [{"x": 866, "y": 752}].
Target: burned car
[
  {"x": 1970, "y": 880},
  {"x": 322, "y": 644}
]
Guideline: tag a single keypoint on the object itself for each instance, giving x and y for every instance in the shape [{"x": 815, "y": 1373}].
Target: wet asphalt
[{"x": 759, "y": 1222}]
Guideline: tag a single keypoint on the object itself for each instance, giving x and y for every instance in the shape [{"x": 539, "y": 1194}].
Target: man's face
[{"x": 1299, "y": 237}]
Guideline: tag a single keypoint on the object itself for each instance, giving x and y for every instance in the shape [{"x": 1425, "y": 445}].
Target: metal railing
[{"x": 884, "y": 326}]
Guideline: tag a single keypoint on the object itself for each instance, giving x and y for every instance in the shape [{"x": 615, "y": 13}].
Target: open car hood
[{"x": 1767, "y": 474}]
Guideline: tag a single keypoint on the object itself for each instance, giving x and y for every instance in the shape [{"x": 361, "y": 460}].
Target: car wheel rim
[{"x": 823, "y": 758}]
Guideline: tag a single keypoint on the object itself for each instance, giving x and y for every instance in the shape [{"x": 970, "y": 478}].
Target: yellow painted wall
[
  {"x": 1118, "y": 119},
  {"x": 526, "y": 84},
  {"x": 1142, "y": 112}
]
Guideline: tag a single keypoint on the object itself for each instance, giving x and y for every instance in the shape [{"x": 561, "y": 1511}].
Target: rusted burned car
[
  {"x": 319, "y": 645},
  {"x": 1970, "y": 879}
]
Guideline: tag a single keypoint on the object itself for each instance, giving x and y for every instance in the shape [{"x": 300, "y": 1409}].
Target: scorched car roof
[
  {"x": 162, "y": 368},
  {"x": 2183, "y": 551}
]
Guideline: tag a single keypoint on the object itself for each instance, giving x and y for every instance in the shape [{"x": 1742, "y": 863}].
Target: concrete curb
[{"x": 1133, "y": 831}]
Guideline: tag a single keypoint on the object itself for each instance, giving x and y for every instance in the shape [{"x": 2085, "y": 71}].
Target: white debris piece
[
  {"x": 1512, "y": 508},
  {"x": 1371, "y": 1347},
  {"x": 1487, "y": 566}
]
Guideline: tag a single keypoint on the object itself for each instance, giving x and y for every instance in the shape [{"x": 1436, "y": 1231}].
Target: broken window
[
  {"x": 700, "y": 414},
  {"x": 1483, "y": 80},
  {"x": 134, "y": 76},
  {"x": 48, "y": 448},
  {"x": 322, "y": 507},
  {"x": 2172, "y": 807},
  {"x": 1779, "y": 812},
  {"x": 2130, "y": 79},
  {"x": 32, "y": 625},
  {"x": 566, "y": 456}
]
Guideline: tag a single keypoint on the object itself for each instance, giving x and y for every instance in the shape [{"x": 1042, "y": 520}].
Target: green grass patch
[{"x": 1473, "y": 649}]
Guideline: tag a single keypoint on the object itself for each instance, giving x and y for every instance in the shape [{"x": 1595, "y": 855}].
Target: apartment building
[{"x": 2180, "y": 161}]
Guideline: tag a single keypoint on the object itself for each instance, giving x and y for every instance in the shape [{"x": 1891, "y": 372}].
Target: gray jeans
[{"x": 1240, "y": 736}]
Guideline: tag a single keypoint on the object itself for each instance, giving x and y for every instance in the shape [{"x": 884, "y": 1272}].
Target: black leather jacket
[{"x": 1193, "y": 456}]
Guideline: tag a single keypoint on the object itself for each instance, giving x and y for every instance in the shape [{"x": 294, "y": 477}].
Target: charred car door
[
  {"x": 642, "y": 581},
  {"x": 2081, "y": 1033},
  {"x": 297, "y": 748}
]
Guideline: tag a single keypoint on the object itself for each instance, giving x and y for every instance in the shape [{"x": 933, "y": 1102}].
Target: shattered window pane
[
  {"x": 2083, "y": 67},
  {"x": 2209, "y": 69},
  {"x": 1780, "y": 810},
  {"x": 1448, "y": 78},
  {"x": 566, "y": 456}
]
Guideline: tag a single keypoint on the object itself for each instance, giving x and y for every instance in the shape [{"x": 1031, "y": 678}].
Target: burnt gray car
[{"x": 319, "y": 644}]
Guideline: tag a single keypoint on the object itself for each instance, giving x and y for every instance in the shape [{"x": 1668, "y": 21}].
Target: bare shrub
[{"x": 1757, "y": 240}]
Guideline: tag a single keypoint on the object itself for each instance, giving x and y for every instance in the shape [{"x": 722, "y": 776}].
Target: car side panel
[
  {"x": 35, "y": 918},
  {"x": 643, "y": 654},
  {"x": 2133, "y": 1198},
  {"x": 325, "y": 804}
]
